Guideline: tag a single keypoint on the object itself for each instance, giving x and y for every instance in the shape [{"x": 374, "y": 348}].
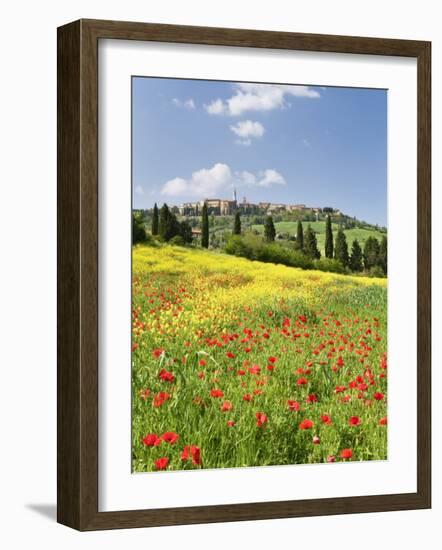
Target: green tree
[
  {"x": 269, "y": 229},
  {"x": 204, "y": 227},
  {"x": 155, "y": 220},
  {"x": 341, "y": 248},
  {"x": 311, "y": 244},
  {"x": 237, "y": 224},
  {"x": 138, "y": 229},
  {"x": 186, "y": 231},
  {"x": 328, "y": 238},
  {"x": 371, "y": 253},
  {"x": 299, "y": 243},
  {"x": 163, "y": 221},
  {"x": 383, "y": 251},
  {"x": 168, "y": 226},
  {"x": 356, "y": 256}
]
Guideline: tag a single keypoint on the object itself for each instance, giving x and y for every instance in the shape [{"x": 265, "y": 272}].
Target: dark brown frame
[{"x": 77, "y": 226}]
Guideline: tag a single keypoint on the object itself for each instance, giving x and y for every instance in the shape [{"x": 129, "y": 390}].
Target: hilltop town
[{"x": 228, "y": 207}]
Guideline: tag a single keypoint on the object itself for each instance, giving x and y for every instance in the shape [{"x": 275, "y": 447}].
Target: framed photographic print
[{"x": 243, "y": 275}]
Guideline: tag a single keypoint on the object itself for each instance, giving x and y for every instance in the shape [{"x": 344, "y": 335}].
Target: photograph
[{"x": 259, "y": 274}]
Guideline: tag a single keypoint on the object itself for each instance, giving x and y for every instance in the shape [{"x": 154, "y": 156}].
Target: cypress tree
[
  {"x": 311, "y": 244},
  {"x": 163, "y": 221},
  {"x": 269, "y": 229},
  {"x": 237, "y": 224},
  {"x": 328, "y": 238},
  {"x": 341, "y": 248},
  {"x": 383, "y": 250},
  {"x": 371, "y": 253},
  {"x": 186, "y": 231},
  {"x": 204, "y": 227},
  {"x": 356, "y": 256},
  {"x": 299, "y": 243},
  {"x": 155, "y": 220}
]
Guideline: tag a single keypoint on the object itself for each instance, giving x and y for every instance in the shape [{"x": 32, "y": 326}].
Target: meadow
[
  {"x": 240, "y": 363},
  {"x": 289, "y": 228}
]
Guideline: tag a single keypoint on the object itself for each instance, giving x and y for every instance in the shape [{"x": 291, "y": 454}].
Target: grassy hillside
[{"x": 319, "y": 228}]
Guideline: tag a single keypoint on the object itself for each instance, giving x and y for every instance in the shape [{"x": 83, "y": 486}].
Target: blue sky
[{"x": 319, "y": 146}]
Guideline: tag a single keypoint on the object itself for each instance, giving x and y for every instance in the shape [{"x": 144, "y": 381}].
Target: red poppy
[
  {"x": 346, "y": 453},
  {"x": 192, "y": 451},
  {"x": 254, "y": 369},
  {"x": 230, "y": 423},
  {"x": 306, "y": 424},
  {"x": 216, "y": 393},
  {"x": 354, "y": 421},
  {"x": 378, "y": 396},
  {"x": 293, "y": 405},
  {"x": 226, "y": 406},
  {"x": 170, "y": 437},
  {"x": 151, "y": 440},
  {"x": 272, "y": 359},
  {"x": 202, "y": 363},
  {"x": 340, "y": 389},
  {"x": 301, "y": 381},
  {"x": 261, "y": 419},
  {"x": 161, "y": 463},
  {"x": 230, "y": 355},
  {"x": 331, "y": 458},
  {"x": 311, "y": 398},
  {"x": 247, "y": 397},
  {"x": 157, "y": 352},
  {"x": 166, "y": 376},
  {"x": 383, "y": 421},
  {"x": 160, "y": 398},
  {"x": 326, "y": 419},
  {"x": 316, "y": 440}
]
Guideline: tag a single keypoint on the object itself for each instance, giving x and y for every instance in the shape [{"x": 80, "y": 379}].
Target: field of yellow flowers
[{"x": 239, "y": 363}]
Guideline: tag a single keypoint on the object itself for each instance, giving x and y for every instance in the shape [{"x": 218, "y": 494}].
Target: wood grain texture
[
  {"x": 77, "y": 226},
  {"x": 68, "y": 276}
]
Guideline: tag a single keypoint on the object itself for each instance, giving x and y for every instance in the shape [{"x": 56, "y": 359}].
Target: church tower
[{"x": 234, "y": 195}]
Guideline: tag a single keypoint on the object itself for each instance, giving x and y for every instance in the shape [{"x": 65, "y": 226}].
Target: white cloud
[
  {"x": 139, "y": 190},
  {"x": 216, "y": 181},
  {"x": 186, "y": 104},
  {"x": 270, "y": 177},
  {"x": 247, "y": 129},
  {"x": 258, "y": 97},
  {"x": 215, "y": 108},
  {"x": 202, "y": 184}
]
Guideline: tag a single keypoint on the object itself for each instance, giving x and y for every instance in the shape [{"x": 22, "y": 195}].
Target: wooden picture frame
[{"x": 77, "y": 227}]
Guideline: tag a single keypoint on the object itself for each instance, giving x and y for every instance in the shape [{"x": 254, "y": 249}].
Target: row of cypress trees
[{"x": 373, "y": 256}]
